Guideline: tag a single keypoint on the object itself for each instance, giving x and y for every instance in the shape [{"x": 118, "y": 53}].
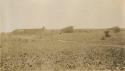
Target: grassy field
[{"x": 51, "y": 51}]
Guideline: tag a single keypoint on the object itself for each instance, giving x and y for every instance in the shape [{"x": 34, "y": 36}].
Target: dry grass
[{"x": 79, "y": 51}]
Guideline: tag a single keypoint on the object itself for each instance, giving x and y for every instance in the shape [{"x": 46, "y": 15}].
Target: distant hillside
[{"x": 28, "y": 31}]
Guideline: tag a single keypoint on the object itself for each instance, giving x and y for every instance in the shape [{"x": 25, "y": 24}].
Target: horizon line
[{"x": 95, "y": 28}]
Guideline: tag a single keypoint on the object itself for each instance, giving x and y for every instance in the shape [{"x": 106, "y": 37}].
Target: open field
[{"x": 51, "y": 51}]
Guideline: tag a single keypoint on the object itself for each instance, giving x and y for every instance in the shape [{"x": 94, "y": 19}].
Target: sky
[{"x": 56, "y": 14}]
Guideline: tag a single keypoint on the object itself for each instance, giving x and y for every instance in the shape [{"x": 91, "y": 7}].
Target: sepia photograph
[{"x": 62, "y": 35}]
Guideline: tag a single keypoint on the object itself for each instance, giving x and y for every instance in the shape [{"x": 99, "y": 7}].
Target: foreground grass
[{"x": 80, "y": 52}]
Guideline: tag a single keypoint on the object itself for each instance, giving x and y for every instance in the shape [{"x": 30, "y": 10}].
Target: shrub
[
  {"x": 116, "y": 29},
  {"x": 107, "y": 33},
  {"x": 103, "y": 38},
  {"x": 69, "y": 29}
]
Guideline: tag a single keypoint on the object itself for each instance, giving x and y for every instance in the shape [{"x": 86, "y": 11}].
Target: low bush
[
  {"x": 107, "y": 33},
  {"x": 116, "y": 29}
]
